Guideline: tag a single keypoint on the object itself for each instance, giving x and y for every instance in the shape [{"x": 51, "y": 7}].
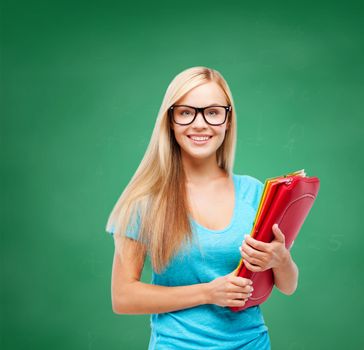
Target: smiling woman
[{"x": 187, "y": 210}]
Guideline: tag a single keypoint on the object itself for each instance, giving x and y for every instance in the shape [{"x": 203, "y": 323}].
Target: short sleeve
[
  {"x": 252, "y": 190},
  {"x": 111, "y": 231},
  {"x": 132, "y": 230}
]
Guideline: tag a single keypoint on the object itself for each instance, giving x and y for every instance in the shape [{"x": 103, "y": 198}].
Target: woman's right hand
[{"x": 229, "y": 290}]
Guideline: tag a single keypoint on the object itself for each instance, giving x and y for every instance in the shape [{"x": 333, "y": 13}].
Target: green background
[{"x": 81, "y": 86}]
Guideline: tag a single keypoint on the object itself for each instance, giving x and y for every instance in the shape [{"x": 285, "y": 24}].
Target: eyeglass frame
[{"x": 228, "y": 109}]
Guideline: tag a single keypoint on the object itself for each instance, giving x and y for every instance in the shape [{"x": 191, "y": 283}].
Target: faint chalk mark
[
  {"x": 315, "y": 247},
  {"x": 295, "y": 133},
  {"x": 335, "y": 242}
]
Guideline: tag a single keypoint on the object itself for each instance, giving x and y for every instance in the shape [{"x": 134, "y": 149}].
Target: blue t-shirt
[{"x": 214, "y": 253}]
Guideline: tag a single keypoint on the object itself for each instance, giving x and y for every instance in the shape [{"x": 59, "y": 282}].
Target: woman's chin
[{"x": 199, "y": 153}]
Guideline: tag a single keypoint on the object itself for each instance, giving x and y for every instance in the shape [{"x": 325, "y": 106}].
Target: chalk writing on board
[
  {"x": 335, "y": 242},
  {"x": 295, "y": 133}
]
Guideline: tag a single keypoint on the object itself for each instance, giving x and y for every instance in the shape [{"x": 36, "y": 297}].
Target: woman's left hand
[{"x": 261, "y": 256}]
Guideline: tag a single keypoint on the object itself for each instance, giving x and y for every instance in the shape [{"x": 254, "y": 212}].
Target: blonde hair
[{"x": 156, "y": 195}]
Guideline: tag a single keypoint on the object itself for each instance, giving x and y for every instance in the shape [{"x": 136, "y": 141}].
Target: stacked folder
[{"x": 286, "y": 200}]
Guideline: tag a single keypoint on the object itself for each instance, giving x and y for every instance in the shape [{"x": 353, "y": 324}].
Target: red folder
[{"x": 286, "y": 200}]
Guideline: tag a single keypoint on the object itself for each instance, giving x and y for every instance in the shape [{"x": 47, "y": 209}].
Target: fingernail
[{"x": 245, "y": 236}]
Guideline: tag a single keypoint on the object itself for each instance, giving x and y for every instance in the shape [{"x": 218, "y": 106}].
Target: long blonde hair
[{"x": 156, "y": 194}]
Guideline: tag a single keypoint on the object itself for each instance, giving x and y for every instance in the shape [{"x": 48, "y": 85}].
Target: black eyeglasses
[{"x": 184, "y": 115}]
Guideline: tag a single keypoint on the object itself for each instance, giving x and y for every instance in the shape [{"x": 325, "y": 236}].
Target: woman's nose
[{"x": 199, "y": 120}]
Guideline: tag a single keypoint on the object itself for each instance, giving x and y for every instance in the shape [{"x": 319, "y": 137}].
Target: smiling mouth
[
  {"x": 204, "y": 138},
  {"x": 201, "y": 141}
]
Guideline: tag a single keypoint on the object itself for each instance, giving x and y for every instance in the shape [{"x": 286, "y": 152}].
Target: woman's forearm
[
  {"x": 286, "y": 276},
  {"x": 144, "y": 298}
]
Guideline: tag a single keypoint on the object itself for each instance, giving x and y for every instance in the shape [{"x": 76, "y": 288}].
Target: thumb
[{"x": 278, "y": 234}]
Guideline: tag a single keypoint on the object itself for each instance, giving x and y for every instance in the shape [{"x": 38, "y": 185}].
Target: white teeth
[{"x": 199, "y": 138}]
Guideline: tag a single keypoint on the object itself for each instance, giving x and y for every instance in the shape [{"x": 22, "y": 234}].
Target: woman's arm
[
  {"x": 130, "y": 296},
  {"x": 143, "y": 298},
  {"x": 286, "y": 275}
]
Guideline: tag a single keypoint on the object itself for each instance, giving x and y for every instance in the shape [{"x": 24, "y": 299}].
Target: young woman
[{"x": 187, "y": 210}]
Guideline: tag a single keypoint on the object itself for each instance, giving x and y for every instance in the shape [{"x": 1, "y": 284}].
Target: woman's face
[{"x": 201, "y": 96}]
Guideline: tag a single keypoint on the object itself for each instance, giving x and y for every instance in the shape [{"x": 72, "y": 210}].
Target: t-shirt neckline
[{"x": 203, "y": 228}]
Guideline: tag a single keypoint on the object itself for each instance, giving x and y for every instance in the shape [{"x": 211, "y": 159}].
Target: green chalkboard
[{"x": 81, "y": 86}]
